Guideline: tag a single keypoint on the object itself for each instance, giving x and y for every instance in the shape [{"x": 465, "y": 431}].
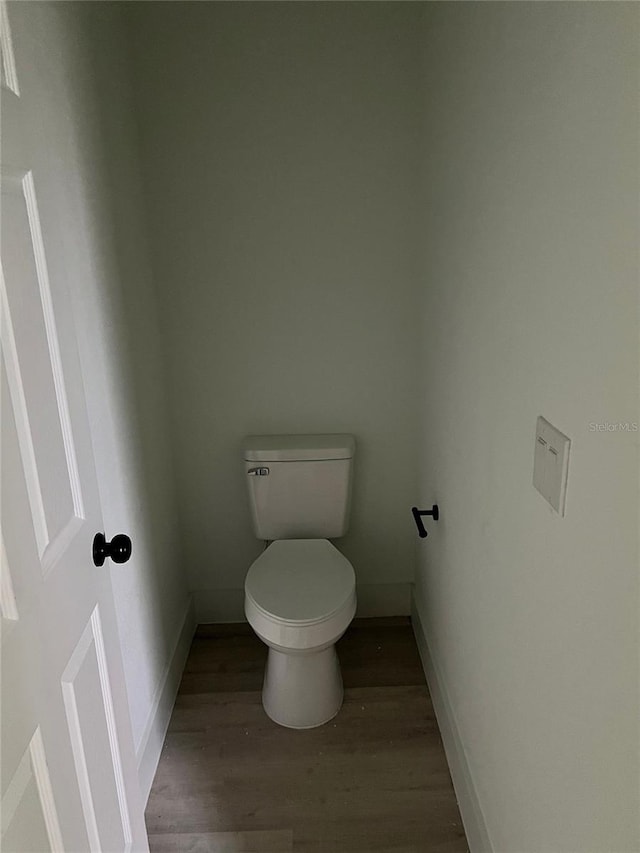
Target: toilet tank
[{"x": 299, "y": 485}]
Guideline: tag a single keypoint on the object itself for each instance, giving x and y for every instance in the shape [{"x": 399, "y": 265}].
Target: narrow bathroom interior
[{"x": 410, "y": 225}]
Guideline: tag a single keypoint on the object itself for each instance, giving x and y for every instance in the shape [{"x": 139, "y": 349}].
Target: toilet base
[{"x": 302, "y": 691}]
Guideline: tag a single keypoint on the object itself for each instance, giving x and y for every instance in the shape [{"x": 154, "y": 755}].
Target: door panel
[
  {"x": 37, "y": 380},
  {"x": 29, "y": 817},
  {"x": 94, "y": 736},
  {"x": 68, "y": 777}
]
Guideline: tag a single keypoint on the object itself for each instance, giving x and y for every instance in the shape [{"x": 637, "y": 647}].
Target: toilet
[{"x": 300, "y": 593}]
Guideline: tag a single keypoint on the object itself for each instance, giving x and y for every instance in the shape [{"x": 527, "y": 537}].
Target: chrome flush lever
[{"x": 258, "y": 472}]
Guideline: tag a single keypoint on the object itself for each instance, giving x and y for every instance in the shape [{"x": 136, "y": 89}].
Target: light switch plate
[{"x": 551, "y": 464}]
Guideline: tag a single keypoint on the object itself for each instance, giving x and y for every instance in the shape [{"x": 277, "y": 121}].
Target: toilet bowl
[{"x": 300, "y": 596}]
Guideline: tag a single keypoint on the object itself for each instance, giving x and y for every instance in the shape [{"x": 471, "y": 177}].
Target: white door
[{"x": 69, "y": 781}]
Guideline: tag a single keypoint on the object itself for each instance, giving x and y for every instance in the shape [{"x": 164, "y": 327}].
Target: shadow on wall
[
  {"x": 283, "y": 235},
  {"x": 127, "y": 404}
]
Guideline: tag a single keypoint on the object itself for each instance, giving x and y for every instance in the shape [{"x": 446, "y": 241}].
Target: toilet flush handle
[{"x": 258, "y": 472}]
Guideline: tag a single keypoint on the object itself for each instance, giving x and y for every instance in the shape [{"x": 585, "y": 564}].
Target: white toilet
[{"x": 300, "y": 593}]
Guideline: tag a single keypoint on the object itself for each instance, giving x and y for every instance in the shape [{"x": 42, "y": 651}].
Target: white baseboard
[
  {"x": 374, "y": 599},
  {"x": 148, "y": 753},
  {"x": 475, "y": 826}
]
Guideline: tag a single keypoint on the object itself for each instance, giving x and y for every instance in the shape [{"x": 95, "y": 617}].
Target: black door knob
[{"x": 119, "y": 549}]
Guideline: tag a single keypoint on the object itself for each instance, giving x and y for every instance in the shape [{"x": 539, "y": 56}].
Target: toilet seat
[
  {"x": 300, "y": 581},
  {"x": 300, "y": 593}
]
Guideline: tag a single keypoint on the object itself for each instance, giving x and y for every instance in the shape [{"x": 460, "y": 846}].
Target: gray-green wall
[
  {"x": 279, "y": 144},
  {"x": 530, "y": 289}
]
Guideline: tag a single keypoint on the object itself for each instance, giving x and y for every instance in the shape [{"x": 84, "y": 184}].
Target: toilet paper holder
[{"x": 434, "y": 512}]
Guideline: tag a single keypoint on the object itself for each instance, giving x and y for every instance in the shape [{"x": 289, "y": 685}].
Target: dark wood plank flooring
[{"x": 373, "y": 779}]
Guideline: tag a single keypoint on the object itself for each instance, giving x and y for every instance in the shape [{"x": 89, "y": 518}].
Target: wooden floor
[{"x": 373, "y": 779}]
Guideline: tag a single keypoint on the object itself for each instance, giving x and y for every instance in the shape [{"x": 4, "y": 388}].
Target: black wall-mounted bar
[{"x": 434, "y": 512}]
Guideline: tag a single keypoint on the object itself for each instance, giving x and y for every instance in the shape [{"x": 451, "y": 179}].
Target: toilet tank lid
[{"x": 298, "y": 448}]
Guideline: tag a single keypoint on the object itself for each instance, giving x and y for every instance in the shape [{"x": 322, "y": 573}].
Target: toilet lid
[{"x": 300, "y": 580}]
